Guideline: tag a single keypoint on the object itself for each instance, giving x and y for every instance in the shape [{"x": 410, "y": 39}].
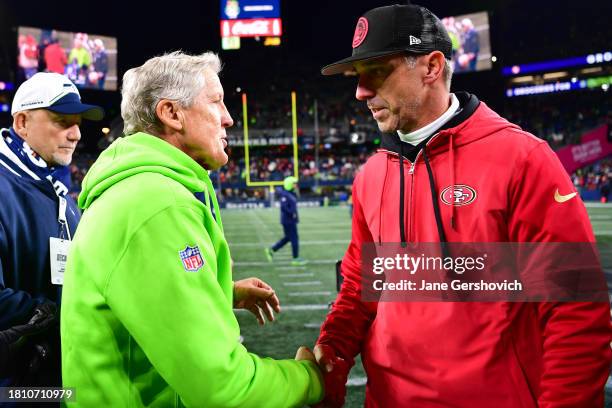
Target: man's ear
[
  {"x": 435, "y": 67},
  {"x": 19, "y": 124},
  {"x": 169, "y": 114}
]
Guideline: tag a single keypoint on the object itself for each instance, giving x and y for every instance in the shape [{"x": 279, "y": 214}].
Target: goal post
[{"x": 245, "y": 121}]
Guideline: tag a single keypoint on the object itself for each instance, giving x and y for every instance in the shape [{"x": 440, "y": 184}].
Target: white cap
[{"x": 54, "y": 92}]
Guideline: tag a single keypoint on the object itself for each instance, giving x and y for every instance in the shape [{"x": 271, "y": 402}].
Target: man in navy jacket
[
  {"x": 289, "y": 220},
  {"x": 37, "y": 221}
]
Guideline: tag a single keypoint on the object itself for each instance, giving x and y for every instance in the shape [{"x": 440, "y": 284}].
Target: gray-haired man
[{"x": 149, "y": 294}]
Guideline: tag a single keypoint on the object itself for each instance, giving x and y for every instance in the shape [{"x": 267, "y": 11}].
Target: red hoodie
[{"x": 496, "y": 354}]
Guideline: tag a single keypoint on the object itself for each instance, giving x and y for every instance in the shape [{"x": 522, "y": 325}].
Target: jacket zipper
[
  {"x": 410, "y": 206},
  {"x": 410, "y": 237}
]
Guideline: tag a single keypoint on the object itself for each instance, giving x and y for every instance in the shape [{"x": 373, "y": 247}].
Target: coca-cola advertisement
[{"x": 257, "y": 27}]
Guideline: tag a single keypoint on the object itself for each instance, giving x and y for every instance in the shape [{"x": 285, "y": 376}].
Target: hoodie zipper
[{"x": 412, "y": 170}]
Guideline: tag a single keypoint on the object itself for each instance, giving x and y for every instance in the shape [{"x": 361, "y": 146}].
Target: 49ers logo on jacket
[
  {"x": 458, "y": 195},
  {"x": 191, "y": 258}
]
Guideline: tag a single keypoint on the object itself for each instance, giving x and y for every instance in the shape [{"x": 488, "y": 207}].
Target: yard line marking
[
  {"x": 356, "y": 382},
  {"x": 312, "y": 325},
  {"x": 253, "y": 215},
  {"x": 322, "y": 293},
  {"x": 600, "y": 217},
  {"x": 289, "y": 308},
  {"x": 302, "y": 243},
  {"x": 310, "y": 262},
  {"x": 597, "y": 205},
  {"x": 304, "y": 283},
  {"x": 296, "y": 275},
  {"x": 290, "y": 268},
  {"x": 304, "y": 307}
]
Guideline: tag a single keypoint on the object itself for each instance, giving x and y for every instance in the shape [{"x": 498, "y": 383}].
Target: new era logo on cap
[
  {"x": 414, "y": 40},
  {"x": 54, "y": 92}
]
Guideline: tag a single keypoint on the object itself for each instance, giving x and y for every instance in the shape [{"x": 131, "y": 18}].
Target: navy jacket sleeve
[
  {"x": 15, "y": 306},
  {"x": 288, "y": 208}
]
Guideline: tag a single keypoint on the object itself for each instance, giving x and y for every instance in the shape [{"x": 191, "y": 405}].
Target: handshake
[
  {"x": 334, "y": 370},
  {"x": 259, "y": 298}
]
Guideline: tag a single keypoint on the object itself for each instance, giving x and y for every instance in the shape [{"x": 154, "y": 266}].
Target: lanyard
[{"x": 61, "y": 218}]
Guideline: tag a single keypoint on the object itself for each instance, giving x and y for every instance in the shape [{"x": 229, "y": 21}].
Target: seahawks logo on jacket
[{"x": 458, "y": 195}]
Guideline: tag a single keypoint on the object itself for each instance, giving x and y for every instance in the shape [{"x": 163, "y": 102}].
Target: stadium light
[{"x": 555, "y": 75}]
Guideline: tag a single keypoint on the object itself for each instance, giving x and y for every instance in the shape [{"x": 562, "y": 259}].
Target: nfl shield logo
[{"x": 191, "y": 258}]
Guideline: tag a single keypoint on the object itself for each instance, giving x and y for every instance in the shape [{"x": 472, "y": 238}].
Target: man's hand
[
  {"x": 257, "y": 297},
  {"x": 304, "y": 353},
  {"x": 22, "y": 348},
  {"x": 335, "y": 373}
]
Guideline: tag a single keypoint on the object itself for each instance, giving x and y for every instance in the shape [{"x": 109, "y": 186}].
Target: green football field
[{"x": 305, "y": 292}]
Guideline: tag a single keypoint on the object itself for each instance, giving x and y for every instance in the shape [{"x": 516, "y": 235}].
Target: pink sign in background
[{"x": 593, "y": 146}]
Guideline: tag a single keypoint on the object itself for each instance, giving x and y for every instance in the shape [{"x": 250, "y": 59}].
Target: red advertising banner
[
  {"x": 256, "y": 27},
  {"x": 593, "y": 146}
]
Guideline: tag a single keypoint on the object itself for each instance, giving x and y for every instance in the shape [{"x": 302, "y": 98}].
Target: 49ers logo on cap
[
  {"x": 360, "y": 32},
  {"x": 458, "y": 195}
]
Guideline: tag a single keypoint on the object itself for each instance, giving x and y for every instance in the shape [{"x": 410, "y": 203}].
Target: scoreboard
[{"x": 250, "y": 18}]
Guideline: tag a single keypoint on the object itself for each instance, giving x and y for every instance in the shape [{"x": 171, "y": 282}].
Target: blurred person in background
[
  {"x": 79, "y": 61},
  {"x": 28, "y": 56},
  {"x": 55, "y": 56},
  {"x": 100, "y": 63},
  {"x": 467, "y": 57},
  {"x": 289, "y": 219}
]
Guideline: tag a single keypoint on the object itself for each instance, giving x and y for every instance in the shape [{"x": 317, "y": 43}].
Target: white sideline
[
  {"x": 323, "y": 293},
  {"x": 305, "y": 243},
  {"x": 289, "y": 308},
  {"x": 296, "y": 275},
  {"x": 290, "y": 268},
  {"x": 310, "y": 262},
  {"x": 356, "y": 382},
  {"x": 589, "y": 204},
  {"x": 305, "y": 283}
]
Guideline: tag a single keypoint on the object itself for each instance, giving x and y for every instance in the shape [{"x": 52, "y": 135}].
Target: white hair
[
  {"x": 175, "y": 76},
  {"x": 447, "y": 73}
]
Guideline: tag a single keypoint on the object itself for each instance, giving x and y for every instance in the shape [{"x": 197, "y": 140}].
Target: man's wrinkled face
[
  {"x": 204, "y": 126},
  {"x": 392, "y": 88},
  {"x": 53, "y": 136}
]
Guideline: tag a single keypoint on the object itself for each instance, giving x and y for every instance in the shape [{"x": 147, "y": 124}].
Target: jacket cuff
[{"x": 315, "y": 388}]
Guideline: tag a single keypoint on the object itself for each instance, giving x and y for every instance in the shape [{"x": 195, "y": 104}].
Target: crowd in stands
[
  {"x": 558, "y": 118},
  {"x": 332, "y": 167},
  {"x": 595, "y": 178}
]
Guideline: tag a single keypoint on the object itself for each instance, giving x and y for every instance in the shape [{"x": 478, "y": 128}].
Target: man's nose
[
  {"x": 74, "y": 133},
  {"x": 364, "y": 90}
]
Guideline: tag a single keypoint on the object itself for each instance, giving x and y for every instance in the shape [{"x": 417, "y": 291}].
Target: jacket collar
[{"x": 468, "y": 103}]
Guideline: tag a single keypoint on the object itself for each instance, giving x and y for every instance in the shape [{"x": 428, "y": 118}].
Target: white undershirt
[{"x": 417, "y": 136}]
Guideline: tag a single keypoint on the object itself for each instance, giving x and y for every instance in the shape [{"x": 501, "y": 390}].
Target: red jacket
[
  {"x": 471, "y": 354},
  {"x": 55, "y": 58}
]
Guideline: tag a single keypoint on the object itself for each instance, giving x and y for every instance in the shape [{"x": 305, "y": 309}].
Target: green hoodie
[{"x": 142, "y": 327}]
